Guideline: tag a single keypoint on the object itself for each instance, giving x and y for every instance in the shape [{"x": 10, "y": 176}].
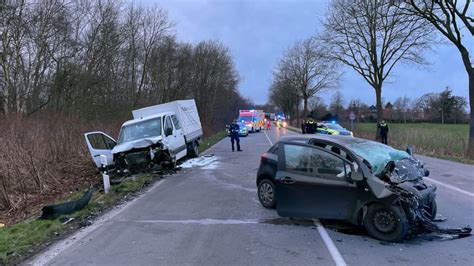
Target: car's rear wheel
[
  {"x": 386, "y": 223},
  {"x": 266, "y": 194}
]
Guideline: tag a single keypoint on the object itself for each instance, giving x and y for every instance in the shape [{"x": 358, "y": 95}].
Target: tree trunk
[
  {"x": 305, "y": 108},
  {"x": 378, "y": 99},
  {"x": 470, "y": 146}
]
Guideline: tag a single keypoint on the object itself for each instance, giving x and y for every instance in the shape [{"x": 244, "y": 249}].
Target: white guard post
[{"x": 105, "y": 176}]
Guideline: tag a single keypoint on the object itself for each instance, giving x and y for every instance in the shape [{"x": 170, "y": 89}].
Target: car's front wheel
[
  {"x": 386, "y": 223},
  {"x": 266, "y": 194}
]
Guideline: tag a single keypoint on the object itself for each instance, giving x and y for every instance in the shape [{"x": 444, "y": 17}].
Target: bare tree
[
  {"x": 309, "y": 70},
  {"x": 337, "y": 104},
  {"x": 455, "y": 21},
  {"x": 401, "y": 107},
  {"x": 372, "y": 37}
]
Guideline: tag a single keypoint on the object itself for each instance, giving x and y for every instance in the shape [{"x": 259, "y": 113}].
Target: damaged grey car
[{"x": 363, "y": 182}]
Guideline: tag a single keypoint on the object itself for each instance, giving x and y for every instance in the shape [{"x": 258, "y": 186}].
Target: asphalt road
[{"x": 209, "y": 214}]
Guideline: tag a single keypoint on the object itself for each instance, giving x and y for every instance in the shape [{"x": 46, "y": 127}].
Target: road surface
[{"x": 209, "y": 214}]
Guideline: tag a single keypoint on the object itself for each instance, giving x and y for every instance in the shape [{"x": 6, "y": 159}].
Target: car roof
[{"x": 341, "y": 140}]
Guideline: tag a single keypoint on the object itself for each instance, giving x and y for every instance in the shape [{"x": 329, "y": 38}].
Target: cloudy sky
[{"x": 258, "y": 31}]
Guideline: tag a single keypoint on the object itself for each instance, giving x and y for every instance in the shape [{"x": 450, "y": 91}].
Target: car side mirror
[
  {"x": 168, "y": 132},
  {"x": 409, "y": 150},
  {"x": 352, "y": 173}
]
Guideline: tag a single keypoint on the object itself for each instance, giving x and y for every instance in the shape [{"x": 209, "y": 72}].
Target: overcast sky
[{"x": 258, "y": 31}]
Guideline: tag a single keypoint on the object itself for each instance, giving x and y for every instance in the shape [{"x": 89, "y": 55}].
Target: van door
[
  {"x": 99, "y": 144},
  {"x": 174, "y": 138},
  {"x": 178, "y": 133}
]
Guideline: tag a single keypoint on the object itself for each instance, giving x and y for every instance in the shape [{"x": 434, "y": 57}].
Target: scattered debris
[
  {"x": 65, "y": 220},
  {"x": 53, "y": 211}
]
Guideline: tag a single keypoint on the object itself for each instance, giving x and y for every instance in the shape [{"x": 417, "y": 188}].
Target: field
[{"x": 446, "y": 141}]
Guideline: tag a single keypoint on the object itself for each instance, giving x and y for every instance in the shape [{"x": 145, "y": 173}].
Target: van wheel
[
  {"x": 266, "y": 194},
  {"x": 386, "y": 223},
  {"x": 193, "y": 150}
]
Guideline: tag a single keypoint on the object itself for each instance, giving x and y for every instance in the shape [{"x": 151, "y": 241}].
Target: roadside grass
[
  {"x": 21, "y": 240},
  {"x": 444, "y": 141},
  {"x": 208, "y": 142}
]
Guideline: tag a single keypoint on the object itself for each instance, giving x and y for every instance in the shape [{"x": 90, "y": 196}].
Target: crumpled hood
[
  {"x": 408, "y": 169},
  {"x": 136, "y": 144}
]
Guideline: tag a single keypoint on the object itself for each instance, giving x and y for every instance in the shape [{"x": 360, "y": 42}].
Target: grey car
[{"x": 361, "y": 181}]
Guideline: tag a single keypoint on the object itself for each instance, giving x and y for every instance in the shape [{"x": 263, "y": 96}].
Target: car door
[
  {"x": 99, "y": 144},
  {"x": 312, "y": 183}
]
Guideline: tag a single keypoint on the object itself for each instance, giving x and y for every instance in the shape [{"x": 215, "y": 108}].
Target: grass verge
[
  {"x": 19, "y": 241},
  {"x": 210, "y": 141}
]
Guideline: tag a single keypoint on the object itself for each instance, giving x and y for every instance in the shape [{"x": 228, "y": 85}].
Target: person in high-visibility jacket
[{"x": 383, "y": 130}]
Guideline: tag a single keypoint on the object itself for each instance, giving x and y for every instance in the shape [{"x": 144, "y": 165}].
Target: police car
[
  {"x": 243, "y": 130},
  {"x": 332, "y": 128}
]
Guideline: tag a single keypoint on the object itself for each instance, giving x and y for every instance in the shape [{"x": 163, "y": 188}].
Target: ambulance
[{"x": 253, "y": 119}]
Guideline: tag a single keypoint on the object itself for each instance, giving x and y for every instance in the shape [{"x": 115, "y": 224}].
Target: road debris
[{"x": 53, "y": 211}]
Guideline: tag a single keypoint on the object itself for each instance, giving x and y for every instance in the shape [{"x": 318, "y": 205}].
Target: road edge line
[
  {"x": 45, "y": 256},
  {"x": 335, "y": 254},
  {"x": 450, "y": 187}
]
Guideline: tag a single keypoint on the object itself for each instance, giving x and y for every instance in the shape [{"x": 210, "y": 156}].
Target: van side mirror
[{"x": 168, "y": 132}]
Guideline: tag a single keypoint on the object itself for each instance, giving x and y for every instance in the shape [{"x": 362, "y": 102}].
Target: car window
[
  {"x": 97, "y": 141},
  {"x": 314, "y": 162},
  {"x": 168, "y": 123},
  {"x": 175, "y": 122},
  {"x": 274, "y": 149}
]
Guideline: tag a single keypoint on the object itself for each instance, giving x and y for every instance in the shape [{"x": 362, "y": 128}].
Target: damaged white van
[{"x": 157, "y": 135}]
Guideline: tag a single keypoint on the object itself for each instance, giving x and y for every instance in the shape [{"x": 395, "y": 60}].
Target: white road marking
[
  {"x": 206, "y": 221},
  {"x": 271, "y": 143},
  {"x": 53, "y": 251},
  {"x": 335, "y": 254},
  {"x": 450, "y": 187}
]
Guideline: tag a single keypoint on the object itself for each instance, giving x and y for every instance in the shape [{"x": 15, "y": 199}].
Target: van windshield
[{"x": 140, "y": 130}]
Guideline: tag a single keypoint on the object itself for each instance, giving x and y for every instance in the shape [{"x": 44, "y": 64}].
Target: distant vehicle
[
  {"x": 364, "y": 182},
  {"x": 163, "y": 133},
  {"x": 243, "y": 131},
  {"x": 332, "y": 128},
  {"x": 253, "y": 119}
]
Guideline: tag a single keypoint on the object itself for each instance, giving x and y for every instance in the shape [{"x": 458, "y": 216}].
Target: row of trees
[
  {"x": 101, "y": 58},
  {"x": 443, "y": 107},
  {"x": 373, "y": 37}
]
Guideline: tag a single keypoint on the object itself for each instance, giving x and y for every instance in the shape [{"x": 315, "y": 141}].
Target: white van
[{"x": 157, "y": 134}]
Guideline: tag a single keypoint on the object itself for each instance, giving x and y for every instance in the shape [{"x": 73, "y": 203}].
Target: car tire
[
  {"x": 386, "y": 223},
  {"x": 193, "y": 150},
  {"x": 266, "y": 193}
]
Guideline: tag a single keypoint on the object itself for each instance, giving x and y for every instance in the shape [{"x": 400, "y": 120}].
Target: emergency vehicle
[{"x": 254, "y": 120}]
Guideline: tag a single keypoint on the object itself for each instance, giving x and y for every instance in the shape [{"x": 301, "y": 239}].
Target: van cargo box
[{"x": 186, "y": 111}]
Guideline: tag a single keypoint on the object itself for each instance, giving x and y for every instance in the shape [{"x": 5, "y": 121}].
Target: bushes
[{"x": 42, "y": 158}]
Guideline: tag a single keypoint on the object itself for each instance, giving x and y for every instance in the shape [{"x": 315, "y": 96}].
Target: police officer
[
  {"x": 303, "y": 127},
  {"x": 311, "y": 126},
  {"x": 383, "y": 129},
  {"x": 234, "y": 135}
]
